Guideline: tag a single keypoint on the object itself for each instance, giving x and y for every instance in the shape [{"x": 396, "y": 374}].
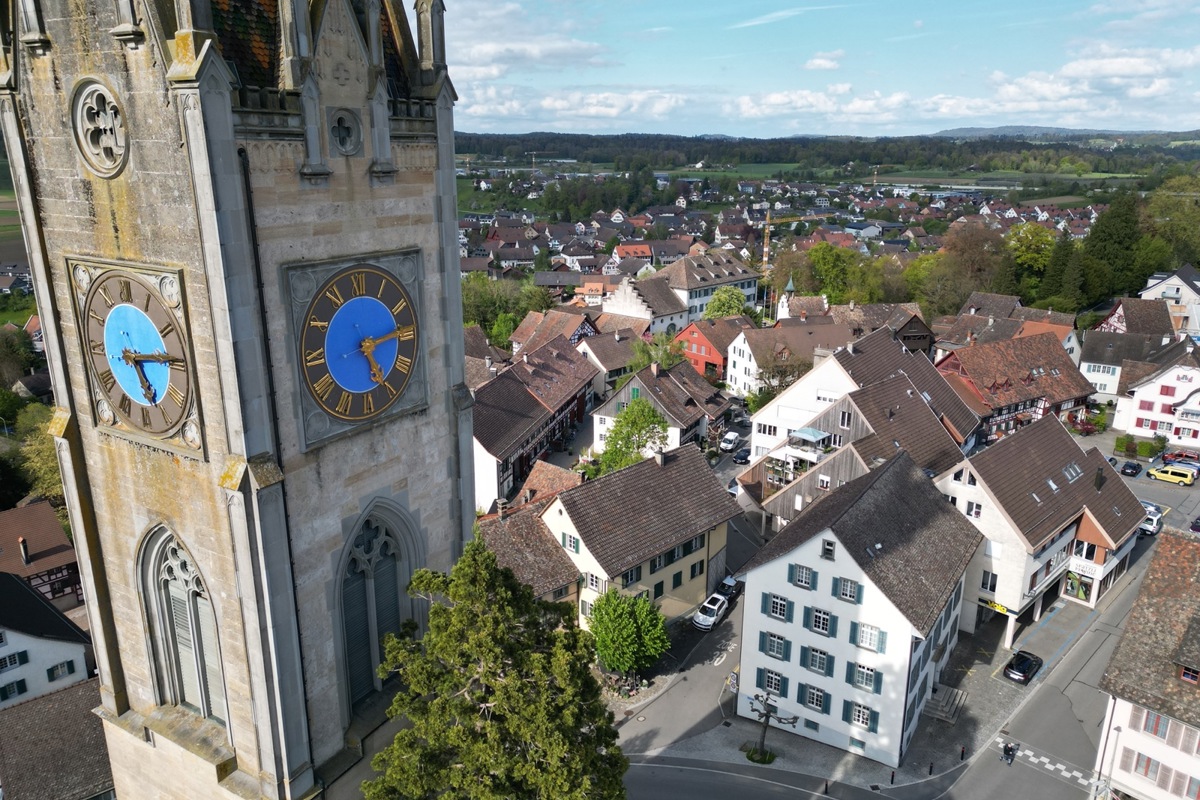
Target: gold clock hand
[
  {"x": 368, "y": 349},
  {"x": 134, "y": 360}
]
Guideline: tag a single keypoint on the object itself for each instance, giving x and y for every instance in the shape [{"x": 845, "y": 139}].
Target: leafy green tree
[
  {"x": 39, "y": 460},
  {"x": 1060, "y": 256},
  {"x": 661, "y": 349},
  {"x": 1030, "y": 246},
  {"x": 630, "y": 632},
  {"x": 1153, "y": 254},
  {"x": 16, "y": 356},
  {"x": 1113, "y": 239},
  {"x": 502, "y": 330},
  {"x": 541, "y": 261},
  {"x": 637, "y": 428},
  {"x": 11, "y": 404},
  {"x": 1173, "y": 214},
  {"x": 499, "y": 696},
  {"x": 726, "y": 302}
]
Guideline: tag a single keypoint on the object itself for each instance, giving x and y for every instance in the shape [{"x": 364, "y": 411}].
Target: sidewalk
[{"x": 939, "y": 751}]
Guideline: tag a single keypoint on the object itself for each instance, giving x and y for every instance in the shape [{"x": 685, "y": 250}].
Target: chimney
[
  {"x": 525, "y": 358},
  {"x": 654, "y": 369},
  {"x": 851, "y": 305},
  {"x": 991, "y": 321},
  {"x": 659, "y": 457},
  {"x": 1099, "y": 478},
  {"x": 501, "y": 508},
  {"x": 617, "y": 335},
  {"x": 803, "y": 315},
  {"x": 527, "y": 496},
  {"x": 850, "y": 347},
  {"x": 487, "y": 361},
  {"x": 24, "y": 545}
]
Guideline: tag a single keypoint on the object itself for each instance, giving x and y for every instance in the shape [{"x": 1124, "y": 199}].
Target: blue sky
[{"x": 764, "y": 68}]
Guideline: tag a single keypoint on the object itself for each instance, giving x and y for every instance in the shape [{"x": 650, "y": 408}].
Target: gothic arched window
[
  {"x": 184, "y": 630},
  {"x": 375, "y": 603}
]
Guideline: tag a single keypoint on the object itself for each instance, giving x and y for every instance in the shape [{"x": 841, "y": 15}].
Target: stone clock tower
[{"x": 240, "y": 217}]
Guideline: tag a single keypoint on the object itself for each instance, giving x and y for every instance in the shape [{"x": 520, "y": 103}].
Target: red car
[{"x": 1180, "y": 455}]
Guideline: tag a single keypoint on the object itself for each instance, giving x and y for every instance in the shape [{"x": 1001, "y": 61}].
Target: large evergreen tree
[
  {"x": 1113, "y": 239},
  {"x": 499, "y": 696}
]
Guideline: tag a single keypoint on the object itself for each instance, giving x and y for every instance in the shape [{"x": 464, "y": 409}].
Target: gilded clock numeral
[
  {"x": 368, "y": 404},
  {"x": 108, "y": 380},
  {"x": 97, "y": 348},
  {"x": 358, "y": 283},
  {"x": 126, "y": 291},
  {"x": 343, "y": 406},
  {"x": 383, "y": 284},
  {"x": 334, "y": 296},
  {"x": 406, "y": 333},
  {"x": 108, "y": 301},
  {"x": 168, "y": 421},
  {"x": 400, "y": 306},
  {"x": 126, "y": 405},
  {"x": 391, "y": 390},
  {"x": 314, "y": 357},
  {"x": 323, "y": 387},
  {"x": 313, "y": 322},
  {"x": 166, "y": 330},
  {"x": 174, "y": 393},
  {"x": 95, "y": 316},
  {"x": 145, "y": 416},
  {"x": 178, "y": 365},
  {"x": 146, "y": 304},
  {"x": 403, "y": 363}
]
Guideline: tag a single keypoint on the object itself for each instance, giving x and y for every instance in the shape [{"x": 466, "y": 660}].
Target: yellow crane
[{"x": 766, "y": 259}]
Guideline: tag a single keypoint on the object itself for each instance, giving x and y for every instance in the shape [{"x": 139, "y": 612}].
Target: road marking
[{"x": 808, "y": 792}]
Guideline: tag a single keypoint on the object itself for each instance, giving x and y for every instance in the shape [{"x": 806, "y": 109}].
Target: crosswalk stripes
[{"x": 1070, "y": 773}]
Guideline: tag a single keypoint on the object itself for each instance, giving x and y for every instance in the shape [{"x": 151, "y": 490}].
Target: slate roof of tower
[
  {"x": 248, "y": 37},
  {"x": 1161, "y": 633},
  {"x": 927, "y": 544},
  {"x": 628, "y": 516}
]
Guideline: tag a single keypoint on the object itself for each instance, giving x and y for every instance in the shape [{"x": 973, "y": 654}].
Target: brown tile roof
[
  {"x": 902, "y": 420},
  {"x": 609, "y": 323},
  {"x": 523, "y": 543},
  {"x": 1111, "y": 348},
  {"x": 1046, "y": 316},
  {"x": 48, "y": 544},
  {"x": 680, "y": 393},
  {"x": 545, "y": 480},
  {"x": 926, "y": 543},
  {"x": 1019, "y": 469},
  {"x": 505, "y": 415},
  {"x": 879, "y": 355},
  {"x": 60, "y": 753},
  {"x": 554, "y": 372},
  {"x": 1161, "y": 633},
  {"x": 872, "y": 316},
  {"x": 659, "y": 295},
  {"x": 986, "y": 304},
  {"x": 613, "y": 350},
  {"x": 808, "y": 305},
  {"x": 796, "y": 342},
  {"x": 1016, "y": 370},
  {"x": 1133, "y": 373},
  {"x": 720, "y": 332},
  {"x": 1181, "y": 353},
  {"x": 716, "y": 268},
  {"x": 1147, "y": 316},
  {"x": 972, "y": 328},
  {"x": 537, "y": 329},
  {"x": 628, "y": 516}
]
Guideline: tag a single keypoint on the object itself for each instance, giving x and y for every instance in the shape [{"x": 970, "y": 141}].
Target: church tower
[{"x": 240, "y": 217}]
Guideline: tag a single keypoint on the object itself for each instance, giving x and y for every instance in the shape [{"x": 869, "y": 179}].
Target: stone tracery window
[{"x": 184, "y": 631}]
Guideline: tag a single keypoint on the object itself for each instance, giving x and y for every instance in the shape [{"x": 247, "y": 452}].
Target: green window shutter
[
  {"x": 882, "y": 641},
  {"x": 826, "y": 702},
  {"x": 832, "y": 626},
  {"x": 50, "y": 674},
  {"x": 802, "y": 693},
  {"x": 791, "y": 611},
  {"x": 677, "y": 580},
  {"x": 760, "y": 677},
  {"x": 808, "y": 617},
  {"x": 829, "y": 666},
  {"x": 873, "y": 725},
  {"x": 23, "y": 657},
  {"x": 878, "y": 681},
  {"x": 837, "y": 584},
  {"x": 787, "y": 650},
  {"x": 762, "y": 641},
  {"x": 3, "y": 693},
  {"x": 850, "y": 672},
  {"x": 803, "y": 656},
  {"x": 658, "y": 590},
  {"x": 791, "y": 573},
  {"x": 846, "y": 709},
  {"x": 858, "y": 597},
  {"x": 635, "y": 393},
  {"x": 814, "y": 580},
  {"x": 853, "y": 632},
  {"x": 576, "y": 544},
  {"x": 564, "y": 539},
  {"x": 70, "y": 667},
  {"x": 766, "y": 603},
  {"x": 783, "y": 687}
]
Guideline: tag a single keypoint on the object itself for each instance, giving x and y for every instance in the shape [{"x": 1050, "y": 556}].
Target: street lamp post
[{"x": 1106, "y": 782}]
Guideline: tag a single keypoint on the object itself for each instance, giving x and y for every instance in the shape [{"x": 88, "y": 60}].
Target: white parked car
[
  {"x": 1153, "y": 523},
  {"x": 729, "y": 441},
  {"x": 711, "y": 612}
]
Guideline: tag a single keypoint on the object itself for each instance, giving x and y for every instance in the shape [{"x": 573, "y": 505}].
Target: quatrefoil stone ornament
[{"x": 99, "y": 129}]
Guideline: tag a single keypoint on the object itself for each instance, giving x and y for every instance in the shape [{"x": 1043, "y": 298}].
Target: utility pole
[{"x": 766, "y": 712}]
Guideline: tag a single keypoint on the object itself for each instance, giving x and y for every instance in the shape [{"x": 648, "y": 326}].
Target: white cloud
[
  {"x": 767, "y": 19},
  {"x": 1156, "y": 88},
  {"x": 831, "y": 60},
  {"x": 491, "y": 41},
  {"x": 647, "y": 103}
]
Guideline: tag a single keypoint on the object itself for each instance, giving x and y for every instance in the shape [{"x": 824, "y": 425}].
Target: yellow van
[{"x": 1172, "y": 474}]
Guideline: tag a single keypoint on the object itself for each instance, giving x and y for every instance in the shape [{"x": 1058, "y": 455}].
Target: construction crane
[
  {"x": 535, "y": 154},
  {"x": 766, "y": 259}
]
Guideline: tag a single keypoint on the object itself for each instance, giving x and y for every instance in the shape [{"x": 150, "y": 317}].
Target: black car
[
  {"x": 1195, "y": 526},
  {"x": 742, "y": 456},
  {"x": 1112, "y": 461},
  {"x": 1131, "y": 468},
  {"x": 730, "y": 588},
  {"x": 1022, "y": 666}
]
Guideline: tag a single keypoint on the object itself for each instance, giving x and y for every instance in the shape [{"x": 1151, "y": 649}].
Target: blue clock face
[
  {"x": 130, "y": 330},
  {"x": 359, "y": 343},
  {"x": 139, "y": 358}
]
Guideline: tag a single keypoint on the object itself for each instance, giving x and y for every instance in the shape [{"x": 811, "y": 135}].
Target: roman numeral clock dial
[
  {"x": 138, "y": 357},
  {"x": 358, "y": 343}
]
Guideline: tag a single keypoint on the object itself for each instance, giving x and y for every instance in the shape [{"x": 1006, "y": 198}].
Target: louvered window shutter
[
  {"x": 387, "y": 601},
  {"x": 185, "y": 646},
  {"x": 214, "y": 685},
  {"x": 358, "y": 637}
]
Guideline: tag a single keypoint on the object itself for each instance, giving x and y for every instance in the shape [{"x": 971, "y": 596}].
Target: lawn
[{"x": 16, "y": 310}]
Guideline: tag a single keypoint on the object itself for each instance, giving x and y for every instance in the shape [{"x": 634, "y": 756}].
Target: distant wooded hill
[{"x": 1020, "y": 149}]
